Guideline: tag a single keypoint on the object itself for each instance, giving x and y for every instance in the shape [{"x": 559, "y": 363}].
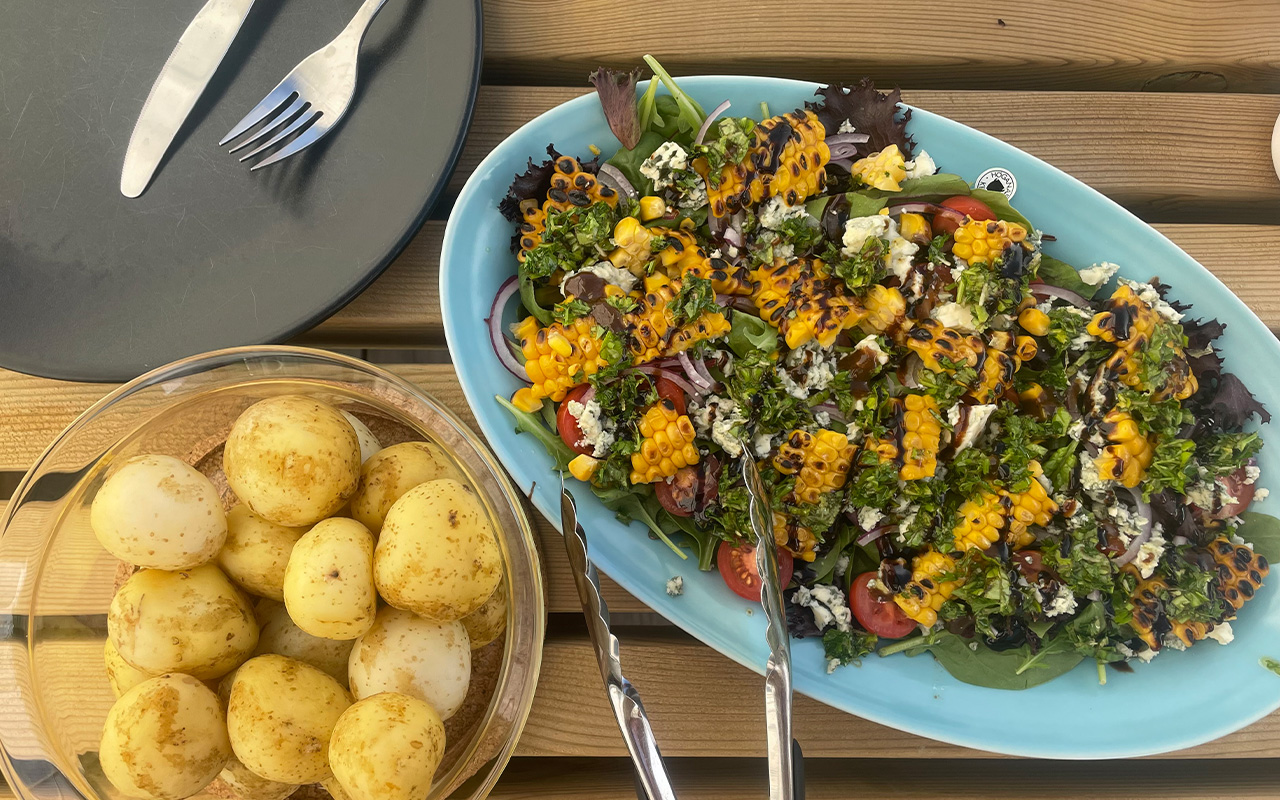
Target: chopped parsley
[{"x": 569, "y": 310}]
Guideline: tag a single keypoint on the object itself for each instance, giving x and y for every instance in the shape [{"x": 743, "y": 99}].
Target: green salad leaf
[
  {"x": 637, "y": 503},
  {"x": 972, "y": 662},
  {"x": 628, "y": 161},
  {"x": 532, "y": 424},
  {"x": 1000, "y": 206},
  {"x": 1263, "y": 532},
  {"x": 1056, "y": 272},
  {"x": 748, "y": 333}
]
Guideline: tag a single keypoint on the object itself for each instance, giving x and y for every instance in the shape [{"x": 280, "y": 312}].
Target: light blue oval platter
[{"x": 1179, "y": 700}]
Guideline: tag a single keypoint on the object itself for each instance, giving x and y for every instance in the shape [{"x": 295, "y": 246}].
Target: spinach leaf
[
  {"x": 532, "y": 424},
  {"x": 982, "y": 666},
  {"x": 530, "y": 300},
  {"x": 825, "y": 566},
  {"x": 929, "y": 188},
  {"x": 748, "y": 333},
  {"x": 628, "y": 161},
  {"x": 1263, "y": 532},
  {"x": 705, "y": 542},
  {"x": 860, "y": 204},
  {"x": 629, "y": 503},
  {"x": 1056, "y": 272},
  {"x": 999, "y": 204}
]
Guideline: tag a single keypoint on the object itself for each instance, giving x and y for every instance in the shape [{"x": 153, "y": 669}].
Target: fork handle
[{"x": 362, "y": 20}]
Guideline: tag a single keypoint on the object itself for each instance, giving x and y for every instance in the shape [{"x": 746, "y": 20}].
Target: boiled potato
[
  {"x": 156, "y": 511},
  {"x": 248, "y": 786},
  {"x": 280, "y": 716},
  {"x": 328, "y": 585},
  {"x": 193, "y": 621},
  {"x": 390, "y": 473},
  {"x": 387, "y": 747},
  {"x": 280, "y": 635},
  {"x": 292, "y": 459},
  {"x": 122, "y": 675},
  {"x": 410, "y": 655},
  {"x": 487, "y": 622},
  {"x": 437, "y": 555},
  {"x": 164, "y": 739},
  {"x": 257, "y": 552},
  {"x": 369, "y": 443}
]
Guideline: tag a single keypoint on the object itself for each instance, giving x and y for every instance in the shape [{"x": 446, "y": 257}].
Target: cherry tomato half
[
  {"x": 969, "y": 206},
  {"x": 738, "y": 568},
  {"x": 880, "y": 615},
  {"x": 1234, "y": 485},
  {"x": 670, "y": 391},
  {"x": 679, "y": 496},
  {"x": 568, "y": 426}
]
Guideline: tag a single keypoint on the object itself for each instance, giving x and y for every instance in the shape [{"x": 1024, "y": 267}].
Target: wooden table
[{"x": 1165, "y": 106}]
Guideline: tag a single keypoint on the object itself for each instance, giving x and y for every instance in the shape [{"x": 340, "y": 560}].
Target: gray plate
[{"x": 94, "y": 286}]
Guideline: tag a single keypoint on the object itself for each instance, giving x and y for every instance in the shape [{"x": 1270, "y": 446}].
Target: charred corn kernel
[
  {"x": 1127, "y": 316},
  {"x": 725, "y": 278},
  {"x": 883, "y": 170},
  {"x": 1127, "y": 458},
  {"x": 1034, "y": 321},
  {"x": 886, "y": 309},
  {"x": 735, "y": 187},
  {"x": 1240, "y": 572},
  {"x": 995, "y": 376},
  {"x": 787, "y": 159},
  {"x": 982, "y": 241},
  {"x": 1024, "y": 509},
  {"x": 1000, "y": 340},
  {"x": 921, "y": 432},
  {"x": 820, "y": 461},
  {"x": 557, "y": 358},
  {"x": 914, "y": 226},
  {"x": 1034, "y": 400},
  {"x": 981, "y": 522},
  {"x": 924, "y": 595},
  {"x": 796, "y": 539},
  {"x": 1151, "y": 617},
  {"x": 944, "y": 349},
  {"x": 652, "y": 208},
  {"x": 666, "y": 446},
  {"x": 583, "y": 467},
  {"x": 571, "y": 187},
  {"x": 1026, "y": 349},
  {"x": 800, "y": 301},
  {"x": 632, "y": 249}
]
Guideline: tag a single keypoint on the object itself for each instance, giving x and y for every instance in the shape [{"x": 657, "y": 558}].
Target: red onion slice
[
  {"x": 1047, "y": 290},
  {"x": 612, "y": 177},
  {"x": 496, "y": 338},
  {"x": 875, "y": 533},
  {"x": 1143, "y": 510},
  {"x": 674, "y": 377},
  {"x": 701, "y": 367},
  {"x": 706, "y": 123},
  {"x": 847, "y": 138},
  {"x": 692, "y": 373}
]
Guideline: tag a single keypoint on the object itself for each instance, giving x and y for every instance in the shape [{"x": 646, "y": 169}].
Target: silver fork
[{"x": 311, "y": 99}]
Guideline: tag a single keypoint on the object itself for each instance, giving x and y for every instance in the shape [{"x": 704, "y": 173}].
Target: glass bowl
[{"x": 56, "y": 581}]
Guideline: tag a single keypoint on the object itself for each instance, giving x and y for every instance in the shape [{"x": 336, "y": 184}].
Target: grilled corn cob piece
[
  {"x": 886, "y": 309},
  {"x": 981, "y": 522},
  {"x": 787, "y": 160},
  {"x": 942, "y": 348},
  {"x": 1127, "y": 458},
  {"x": 800, "y": 301},
  {"x": 883, "y": 170},
  {"x": 667, "y": 444},
  {"x": 1001, "y": 514},
  {"x": 1129, "y": 323},
  {"x": 1031, "y": 507},
  {"x": 798, "y": 540},
  {"x": 980, "y": 241},
  {"x": 651, "y": 329},
  {"x": 921, "y": 432},
  {"x": 1240, "y": 572},
  {"x": 924, "y": 595},
  {"x": 570, "y": 188},
  {"x": 1127, "y": 317},
  {"x": 557, "y": 358},
  {"x": 1150, "y": 616},
  {"x": 995, "y": 376},
  {"x": 820, "y": 461}
]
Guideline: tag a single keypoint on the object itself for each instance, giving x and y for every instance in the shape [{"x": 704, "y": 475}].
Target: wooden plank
[
  {"x": 1162, "y": 156},
  {"x": 908, "y": 779},
  {"x": 1041, "y": 44},
  {"x": 702, "y": 704}
]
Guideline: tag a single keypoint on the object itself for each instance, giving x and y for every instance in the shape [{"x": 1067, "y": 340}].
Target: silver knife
[
  {"x": 786, "y": 776},
  {"x": 181, "y": 82},
  {"x": 627, "y": 708}
]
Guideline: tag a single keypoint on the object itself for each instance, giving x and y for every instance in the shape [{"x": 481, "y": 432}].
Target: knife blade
[{"x": 182, "y": 80}]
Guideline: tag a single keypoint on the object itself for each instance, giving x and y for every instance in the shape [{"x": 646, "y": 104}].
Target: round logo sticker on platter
[{"x": 998, "y": 179}]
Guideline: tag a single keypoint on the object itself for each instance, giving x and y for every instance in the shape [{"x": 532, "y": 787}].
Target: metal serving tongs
[
  {"x": 651, "y": 774},
  {"x": 786, "y": 762}
]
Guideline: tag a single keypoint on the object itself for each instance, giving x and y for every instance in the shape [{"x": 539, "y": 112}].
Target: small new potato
[
  {"x": 248, "y": 786},
  {"x": 280, "y": 715},
  {"x": 328, "y": 585},
  {"x": 369, "y": 443},
  {"x": 257, "y": 552},
  {"x": 488, "y": 622},
  {"x": 390, "y": 473},
  {"x": 437, "y": 555},
  {"x": 156, "y": 511},
  {"x": 280, "y": 635},
  {"x": 387, "y": 747},
  {"x": 122, "y": 675},
  {"x": 292, "y": 459},
  {"x": 194, "y": 621},
  {"x": 164, "y": 739},
  {"x": 410, "y": 655}
]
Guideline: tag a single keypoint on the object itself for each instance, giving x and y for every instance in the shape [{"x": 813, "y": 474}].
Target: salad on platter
[{"x": 970, "y": 446}]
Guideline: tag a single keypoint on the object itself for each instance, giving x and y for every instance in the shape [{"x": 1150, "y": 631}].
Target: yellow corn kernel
[
  {"x": 583, "y": 467},
  {"x": 981, "y": 522},
  {"x": 1034, "y": 321},
  {"x": 632, "y": 249},
  {"x": 796, "y": 539},
  {"x": 799, "y": 171},
  {"x": 914, "y": 227},
  {"x": 921, "y": 432},
  {"x": 1026, "y": 349},
  {"x": 982, "y": 241},
  {"x": 883, "y": 170},
  {"x": 652, "y": 208},
  {"x": 923, "y": 597},
  {"x": 886, "y": 309},
  {"x": 1127, "y": 316},
  {"x": 820, "y": 461},
  {"x": 995, "y": 376},
  {"x": 667, "y": 444},
  {"x": 944, "y": 349},
  {"x": 557, "y": 358}
]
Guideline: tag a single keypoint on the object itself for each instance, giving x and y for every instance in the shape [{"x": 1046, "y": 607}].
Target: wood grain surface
[{"x": 1226, "y": 45}]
